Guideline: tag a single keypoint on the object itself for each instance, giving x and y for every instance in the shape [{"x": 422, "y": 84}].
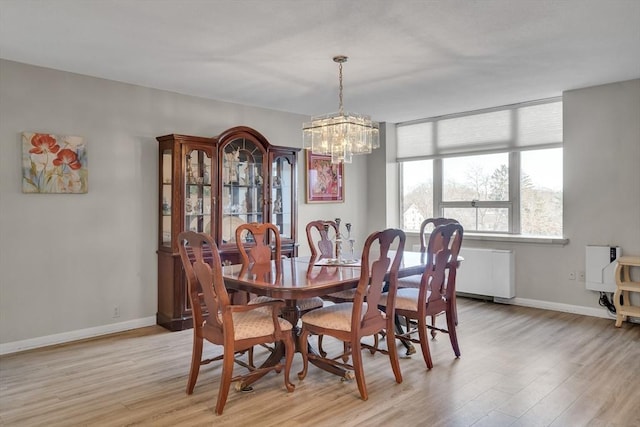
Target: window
[
  {"x": 417, "y": 192},
  {"x": 541, "y": 192},
  {"x": 475, "y": 190},
  {"x": 496, "y": 171}
]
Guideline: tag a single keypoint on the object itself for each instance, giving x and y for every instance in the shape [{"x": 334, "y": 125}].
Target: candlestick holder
[
  {"x": 351, "y": 241},
  {"x": 339, "y": 241}
]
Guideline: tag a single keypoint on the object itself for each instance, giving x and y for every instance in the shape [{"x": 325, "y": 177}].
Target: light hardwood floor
[{"x": 519, "y": 366}]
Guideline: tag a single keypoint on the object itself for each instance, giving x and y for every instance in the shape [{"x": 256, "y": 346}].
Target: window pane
[
  {"x": 541, "y": 192},
  {"x": 484, "y": 178},
  {"x": 480, "y": 219},
  {"x": 417, "y": 193}
]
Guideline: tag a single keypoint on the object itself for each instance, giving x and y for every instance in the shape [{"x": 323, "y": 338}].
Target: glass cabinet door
[
  {"x": 282, "y": 199},
  {"x": 197, "y": 193},
  {"x": 243, "y": 182},
  {"x": 166, "y": 159}
]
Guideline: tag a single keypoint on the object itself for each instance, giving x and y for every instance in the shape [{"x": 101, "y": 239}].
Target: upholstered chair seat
[
  {"x": 336, "y": 316},
  {"x": 255, "y": 323}
]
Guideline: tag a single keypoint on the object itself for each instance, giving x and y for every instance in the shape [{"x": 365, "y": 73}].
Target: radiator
[{"x": 488, "y": 272}]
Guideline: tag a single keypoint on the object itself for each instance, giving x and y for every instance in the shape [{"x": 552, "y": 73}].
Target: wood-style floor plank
[{"x": 519, "y": 367}]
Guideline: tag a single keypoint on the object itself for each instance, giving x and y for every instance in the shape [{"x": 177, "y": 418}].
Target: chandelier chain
[{"x": 341, "y": 109}]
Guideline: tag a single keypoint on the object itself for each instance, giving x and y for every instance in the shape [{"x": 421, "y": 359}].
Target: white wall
[
  {"x": 66, "y": 260},
  {"x": 601, "y": 193}
]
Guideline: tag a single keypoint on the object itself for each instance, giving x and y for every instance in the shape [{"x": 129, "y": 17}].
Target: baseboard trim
[
  {"x": 32, "y": 343},
  {"x": 556, "y": 306}
]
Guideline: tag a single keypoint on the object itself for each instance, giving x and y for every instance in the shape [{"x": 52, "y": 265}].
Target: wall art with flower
[{"x": 53, "y": 164}]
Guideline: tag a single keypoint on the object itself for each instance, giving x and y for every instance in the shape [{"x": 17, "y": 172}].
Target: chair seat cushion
[
  {"x": 348, "y": 294},
  {"x": 261, "y": 299},
  {"x": 255, "y": 323},
  {"x": 309, "y": 303},
  {"x": 410, "y": 281},
  {"x": 406, "y": 299},
  {"x": 336, "y": 316},
  {"x": 303, "y": 304}
]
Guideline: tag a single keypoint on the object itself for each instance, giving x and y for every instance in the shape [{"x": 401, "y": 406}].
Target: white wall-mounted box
[{"x": 600, "y": 263}]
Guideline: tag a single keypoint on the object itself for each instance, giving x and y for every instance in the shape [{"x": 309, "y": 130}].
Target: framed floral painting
[
  {"x": 53, "y": 164},
  {"x": 325, "y": 180}
]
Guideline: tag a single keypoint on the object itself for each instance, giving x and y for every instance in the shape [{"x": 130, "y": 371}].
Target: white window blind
[
  {"x": 509, "y": 128},
  {"x": 417, "y": 140}
]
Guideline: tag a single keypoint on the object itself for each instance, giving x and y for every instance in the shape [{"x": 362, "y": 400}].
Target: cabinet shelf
[{"x": 240, "y": 186}]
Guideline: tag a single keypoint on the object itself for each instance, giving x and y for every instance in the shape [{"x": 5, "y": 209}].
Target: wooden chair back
[
  {"x": 376, "y": 262},
  {"x": 324, "y": 247},
  {"x": 261, "y": 237},
  {"x": 200, "y": 247},
  {"x": 443, "y": 248},
  {"x": 428, "y": 225}
]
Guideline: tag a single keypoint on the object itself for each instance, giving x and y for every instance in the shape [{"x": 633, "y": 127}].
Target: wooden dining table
[{"x": 294, "y": 279}]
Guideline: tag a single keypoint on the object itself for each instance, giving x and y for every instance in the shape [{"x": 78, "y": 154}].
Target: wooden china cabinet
[{"x": 213, "y": 185}]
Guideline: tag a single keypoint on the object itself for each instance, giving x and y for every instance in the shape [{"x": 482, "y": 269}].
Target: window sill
[
  {"x": 540, "y": 240},
  {"x": 510, "y": 238}
]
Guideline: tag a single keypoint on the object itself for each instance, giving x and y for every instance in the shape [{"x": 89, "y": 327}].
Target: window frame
[{"x": 513, "y": 204}]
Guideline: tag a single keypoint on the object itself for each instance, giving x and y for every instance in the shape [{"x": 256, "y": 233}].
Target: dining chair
[
  {"x": 259, "y": 244},
  {"x": 322, "y": 247},
  {"x": 319, "y": 229},
  {"x": 426, "y": 227},
  {"x": 351, "y": 321},
  {"x": 235, "y": 327},
  {"x": 436, "y": 292}
]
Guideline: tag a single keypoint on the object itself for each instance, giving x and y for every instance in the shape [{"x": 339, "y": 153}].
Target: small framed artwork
[
  {"x": 325, "y": 180},
  {"x": 53, "y": 164}
]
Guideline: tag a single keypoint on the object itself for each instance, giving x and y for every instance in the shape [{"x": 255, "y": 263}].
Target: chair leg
[
  {"x": 405, "y": 342},
  {"x": 356, "y": 356},
  {"x": 454, "y": 308},
  {"x": 225, "y": 379},
  {"x": 320, "y": 349},
  {"x": 250, "y": 357},
  {"x": 289, "y": 349},
  {"x": 304, "y": 336},
  {"x": 393, "y": 356},
  {"x": 433, "y": 323},
  {"x": 424, "y": 343},
  {"x": 453, "y": 336},
  {"x": 196, "y": 358},
  {"x": 345, "y": 354},
  {"x": 376, "y": 343}
]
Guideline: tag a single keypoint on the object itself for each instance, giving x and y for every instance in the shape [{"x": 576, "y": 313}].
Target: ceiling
[{"x": 407, "y": 59}]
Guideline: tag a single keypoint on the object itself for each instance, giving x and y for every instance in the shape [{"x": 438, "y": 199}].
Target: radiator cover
[{"x": 487, "y": 272}]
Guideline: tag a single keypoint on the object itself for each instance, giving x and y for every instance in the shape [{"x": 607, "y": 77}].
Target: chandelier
[{"x": 341, "y": 135}]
